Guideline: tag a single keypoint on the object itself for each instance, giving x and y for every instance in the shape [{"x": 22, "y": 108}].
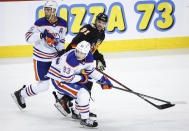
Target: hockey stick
[
  {"x": 142, "y": 96},
  {"x": 59, "y": 53}
]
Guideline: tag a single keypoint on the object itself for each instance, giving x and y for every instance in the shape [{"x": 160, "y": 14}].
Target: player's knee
[{"x": 83, "y": 96}]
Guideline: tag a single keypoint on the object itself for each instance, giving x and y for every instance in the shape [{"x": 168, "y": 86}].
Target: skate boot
[
  {"x": 75, "y": 116},
  {"x": 63, "y": 104},
  {"x": 92, "y": 114},
  {"x": 19, "y": 100},
  {"x": 89, "y": 123},
  {"x": 78, "y": 116},
  {"x": 66, "y": 103}
]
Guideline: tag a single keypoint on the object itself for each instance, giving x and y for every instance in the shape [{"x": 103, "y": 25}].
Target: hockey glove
[
  {"x": 105, "y": 83},
  {"x": 84, "y": 79},
  {"x": 49, "y": 38},
  {"x": 101, "y": 65}
]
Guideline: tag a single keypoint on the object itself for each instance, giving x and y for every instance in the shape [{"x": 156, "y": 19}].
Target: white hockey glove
[{"x": 100, "y": 65}]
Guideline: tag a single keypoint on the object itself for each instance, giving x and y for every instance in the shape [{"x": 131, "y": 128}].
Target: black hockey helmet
[{"x": 103, "y": 17}]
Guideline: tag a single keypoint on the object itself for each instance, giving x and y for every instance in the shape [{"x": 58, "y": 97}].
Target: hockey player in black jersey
[{"x": 94, "y": 34}]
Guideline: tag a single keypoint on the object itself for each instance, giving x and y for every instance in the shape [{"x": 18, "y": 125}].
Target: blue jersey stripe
[
  {"x": 44, "y": 52},
  {"x": 55, "y": 69},
  {"x": 51, "y": 73},
  {"x": 41, "y": 57}
]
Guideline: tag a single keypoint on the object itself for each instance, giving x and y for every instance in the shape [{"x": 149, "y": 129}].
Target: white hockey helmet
[
  {"x": 82, "y": 50},
  {"x": 51, "y": 4}
]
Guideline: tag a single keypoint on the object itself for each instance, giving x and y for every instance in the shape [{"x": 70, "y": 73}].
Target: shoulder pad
[
  {"x": 62, "y": 22},
  {"x": 72, "y": 60},
  {"x": 42, "y": 21}
]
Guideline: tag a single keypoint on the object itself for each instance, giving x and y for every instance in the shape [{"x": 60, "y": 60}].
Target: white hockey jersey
[
  {"x": 68, "y": 69},
  {"x": 41, "y": 50}
]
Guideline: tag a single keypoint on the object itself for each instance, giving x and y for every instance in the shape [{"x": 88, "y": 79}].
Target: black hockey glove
[{"x": 101, "y": 64}]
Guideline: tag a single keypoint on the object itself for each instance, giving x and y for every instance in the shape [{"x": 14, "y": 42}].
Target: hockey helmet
[
  {"x": 82, "y": 50},
  {"x": 103, "y": 17},
  {"x": 51, "y": 4}
]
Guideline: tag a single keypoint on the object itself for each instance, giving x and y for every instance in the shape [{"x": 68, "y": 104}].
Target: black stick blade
[{"x": 165, "y": 106}]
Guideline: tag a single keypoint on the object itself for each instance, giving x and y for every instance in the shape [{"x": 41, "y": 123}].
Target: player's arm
[
  {"x": 68, "y": 68},
  {"x": 77, "y": 39},
  {"x": 100, "y": 62},
  {"x": 60, "y": 42},
  {"x": 68, "y": 76},
  {"x": 36, "y": 33},
  {"x": 33, "y": 35},
  {"x": 103, "y": 80},
  {"x": 62, "y": 71}
]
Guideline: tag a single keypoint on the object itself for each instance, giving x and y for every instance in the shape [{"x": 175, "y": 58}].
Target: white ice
[{"x": 159, "y": 73}]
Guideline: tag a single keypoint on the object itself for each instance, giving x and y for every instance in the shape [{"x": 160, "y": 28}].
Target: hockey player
[
  {"x": 48, "y": 37},
  {"x": 94, "y": 34},
  {"x": 66, "y": 75}
]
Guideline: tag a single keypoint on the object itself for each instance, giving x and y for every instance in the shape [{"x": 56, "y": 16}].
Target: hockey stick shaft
[
  {"x": 114, "y": 80},
  {"x": 164, "y": 106},
  {"x": 136, "y": 93},
  {"x": 59, "y": 52}
]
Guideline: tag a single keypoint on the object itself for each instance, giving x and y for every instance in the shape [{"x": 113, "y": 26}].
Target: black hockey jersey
[{"x": 90, "y": 34}]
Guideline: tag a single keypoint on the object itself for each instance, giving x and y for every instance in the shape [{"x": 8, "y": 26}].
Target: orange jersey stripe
[
  {"x": 86, "y": 78},
  {"x": 68, "y": 79},
  {"x": 66, "y": 88},
  {"x": 60, "y": 75},
  {"x": 29, "y": 91},
  {"x": 84, "y": 109},
  {"x": 35, "y": 70},
  {"x": 28, "y": 34},
  {"x": 54, "y": 72},
  {"x": 43, "y": 54}
]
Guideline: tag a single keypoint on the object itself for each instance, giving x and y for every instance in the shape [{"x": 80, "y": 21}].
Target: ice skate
[
  {"x": 19, "y": 100},
  {"x": 88, "y": 123},
  {"x": 92, "y": 114},
  {"x": 75, "y": 116},
  {"x": 63, "y": 104},
  {"x": 78, "y": 116}
]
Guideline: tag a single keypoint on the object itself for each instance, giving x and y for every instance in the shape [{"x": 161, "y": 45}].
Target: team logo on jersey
[
  {"x": 98, "y": 43},
  {"x": 95, "y": 46}
]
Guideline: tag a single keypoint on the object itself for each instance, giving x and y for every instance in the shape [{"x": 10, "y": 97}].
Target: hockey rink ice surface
[{"x": 159, "y": 73}]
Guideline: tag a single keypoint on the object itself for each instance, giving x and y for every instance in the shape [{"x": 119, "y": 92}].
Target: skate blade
[
  {"x": 87, "y": 127},
  {"x": 15, "y": 100},
  {"x": 60, "y": 109}
]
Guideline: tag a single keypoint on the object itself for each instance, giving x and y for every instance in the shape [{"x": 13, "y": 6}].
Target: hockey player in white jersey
[
  {"x": 68, "y": 79},
  {"x": 48, "y": 37}
]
